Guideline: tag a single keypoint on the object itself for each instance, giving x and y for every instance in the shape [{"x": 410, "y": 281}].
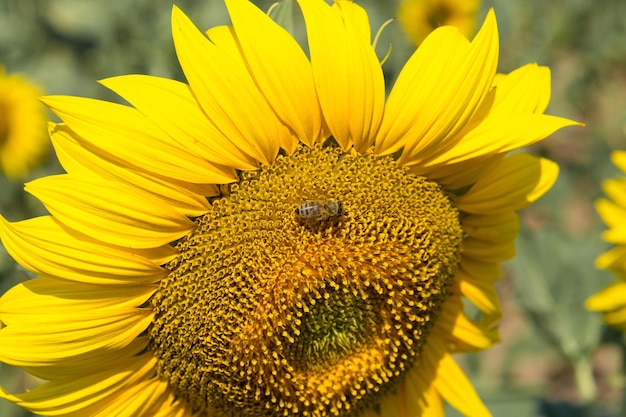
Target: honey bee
[{"x": 316, "y": 212}]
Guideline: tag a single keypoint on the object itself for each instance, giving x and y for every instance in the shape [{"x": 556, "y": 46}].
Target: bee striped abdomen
[{"x": 312, "y": 213}]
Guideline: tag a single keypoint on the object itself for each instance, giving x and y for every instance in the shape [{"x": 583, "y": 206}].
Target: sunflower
[
  {"x": 612, "y": 300},
  {"x": 23, "y": 141},
  {"x": 275, "y": 238},
  {"x": 420, "y": 17}
]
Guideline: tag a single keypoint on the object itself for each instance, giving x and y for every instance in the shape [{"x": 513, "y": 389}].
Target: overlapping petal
[
  {"x": 509, "y": 118},
  {"x": 172, "y": 107},
  {"x": 226, "y": 92},
  {"x": 47, "y": 355},
  {"x": 481, "y": 294},
  {"x": 420, "y": 392},
  {"x": 142, "y": 399},
  {"x": 135, "y": 140},
  {"x": 488, "y": 272},
  {"x": 347, "y": 73},
  {"x": 122, "y": 215},
  {"x": 43, "y": 246},
  {"x": 225, "y": 38},
  {"x": 81, "y": 159},
  {"x": 75, "y": 397},
  {"x": 280, "y": 69},
  {"x": 461, "y": 174},
  {"x": 496, "y": 228},
  {"x": 453, "y": 325},
  {"x": 457, "y": 390},
  {"x": 498, "y": 135},
  {"x": 509, "y": 185},
  {"x": 524, "y": 90},
  {"x": 438, "y": 91}
]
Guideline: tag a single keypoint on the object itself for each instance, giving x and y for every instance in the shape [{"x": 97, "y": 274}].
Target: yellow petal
[
  {"x": 492, "y": 228},
  {"x": 488, "y": 272},
  {"x": 71, "y": 336},
  {"x": 174, "y": 407},
  {"x": 44, "y": 247},
  {"x": 498, "y": 135},
  {"x": 509, "y": 120},
  {"x": 60, "y": 304},
  {"x": 431, "y": 402},
  {"x": 509, "y": 185},
  {"x": 486, "y": 251},
  {"x": 55, "y": 296},
  {"x": 279, "y": 67},
  {"x": 347, "y": 73},
  {"x": 453, "y": 325},
  {"x": 619, "y": 159},
  {"x": 225, "y": 39},
  {"x": 110, "y": 212},
  {"x": 615, "y": 189},
  {"x": 134, "y": 140},
  {"x": 226, "y": 92},
  {"x": 438, "y": 91},
  {"x": 418, "y": 388},
  {"x": 483, "y": 295},
  {"x": 457, "y": 390},
  {"x": 613, "y": 215},
  {"x": 610, "y": 298},
  {"x": 459, "y": 175},
  {"x": 389, "y": 406},
  {"x": 24, "y": 143},
  {"x": 68, "y": 308},
  {"x": 79, "y": 158},
  {"x": 614, "y": 259},
  {"x": 91, "y": 361},
  {"x": 139, "y": 400},
  {"x": 83, "y": 396},
  {"x": 171, "y": 106},
  {"x": 616, "y": 318},
  {"x": 524, "y": 90}
]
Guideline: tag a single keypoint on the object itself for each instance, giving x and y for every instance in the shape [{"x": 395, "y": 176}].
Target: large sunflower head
[
  {"x": 420, "y": 17},
  {"x": 275, "y": 237},
  {"x": 611, "y": 301},
  {"x": 23, "y": 141}
]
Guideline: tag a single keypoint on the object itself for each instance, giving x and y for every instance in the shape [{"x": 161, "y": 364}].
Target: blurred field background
[{"x": 555, "y": 359}]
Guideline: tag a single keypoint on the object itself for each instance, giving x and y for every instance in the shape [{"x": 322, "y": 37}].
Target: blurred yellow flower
[
  {"x": 420, "y": 17},
  {"x": 23, "y": 139},
  {"x": 275, "y": 238},
  {"x": 612, "y": 300}
]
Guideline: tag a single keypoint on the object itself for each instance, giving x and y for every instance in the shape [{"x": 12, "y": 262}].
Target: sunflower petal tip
[
  {"x": 177, "y": 16},
  {"x": 591, "y": 303},
  {"x": 490, "y": 18}
]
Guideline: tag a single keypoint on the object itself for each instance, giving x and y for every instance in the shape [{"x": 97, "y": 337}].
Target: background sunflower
[{"x": 551, "y": 347}]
